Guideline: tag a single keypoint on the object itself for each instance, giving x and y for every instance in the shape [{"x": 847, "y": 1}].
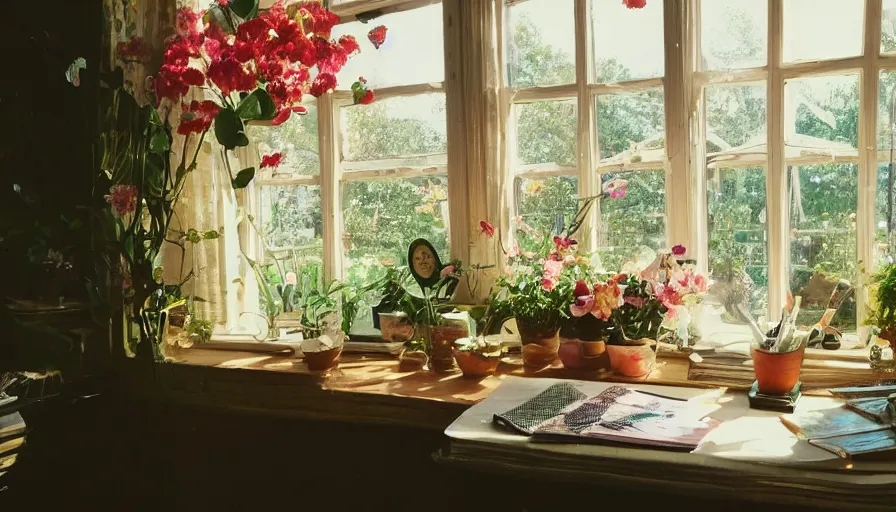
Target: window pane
[
  {"x": 540, "y": 201},
  {"x": 628, "y": 43},
  {"x": 737, "y": 237},
  {"x": 735, "y": 120},
  {"x": 733, "y": 34},
  {"x": 736, "y": 198},
  {"x": 888, "y": 27},
  {"x": 412, "y": 54},
  {"x": 823, "y": 191},
  {"x": 541, "y": 46},
  {"x": 383, "y": 217},
  {"x": 886, "y": 140},
  {"x": 633, "y": 227},
  {"x": 546, "y": 133},
  {"x": 630, "y": 127},
  {"x": 883, "y": 253},
  {"x": 296, "y": 139},
  {"x": 401, "y": 126},
  {"x": 823, "y": 242},
  {"x": 822, "y": 29},
  {"x": 291, "y": 218}
]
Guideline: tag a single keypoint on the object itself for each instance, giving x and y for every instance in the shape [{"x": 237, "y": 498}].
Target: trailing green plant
[
  {"x": 882, "y": 313},
  {"x": 201, "y": 329}
]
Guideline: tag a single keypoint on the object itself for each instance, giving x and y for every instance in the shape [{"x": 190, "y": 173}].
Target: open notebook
[{"x": 617, "y": 414}]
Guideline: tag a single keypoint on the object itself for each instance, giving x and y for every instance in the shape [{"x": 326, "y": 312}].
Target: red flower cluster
[
  {"x": 135, "y": 49},
  {"x": 361, "y": 94},
  {"x": 487, "y": 228},
  {"x": 635, "y": 4},
  {"x": 377, "y": 36},
  {"x": 197, "y": 117},
  {"x": 272, "y": 161},
  {"x": 123, "y": 199},
  {"x": 273, "y": 50}
]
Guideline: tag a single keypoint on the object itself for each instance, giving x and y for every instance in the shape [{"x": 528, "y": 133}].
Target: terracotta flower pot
[
  {"x": 442, "y": 338},
  {"x": 412, "y": 360},
  {"x": 323, "y": 360},
  {"x": 632, "y": 358},
  {"x": 475, "y": 365},
  {"x": 395, "y": 327},
  {"x": 777, "y": 372},
  {"x": 584, "y": 355},
  {"x": 540, "y": 345}
]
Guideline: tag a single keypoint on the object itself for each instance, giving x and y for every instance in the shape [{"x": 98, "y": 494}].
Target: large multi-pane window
[
  {"x": 608, "y": 85},
  {"x": 767, "y": 150}
]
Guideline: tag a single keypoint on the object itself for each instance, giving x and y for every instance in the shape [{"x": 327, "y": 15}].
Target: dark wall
[{"x": 47, "y": 123}]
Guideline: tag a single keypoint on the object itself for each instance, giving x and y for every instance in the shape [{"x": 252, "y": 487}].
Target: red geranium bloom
[
  {"x": 186, "y": 20},
  {"x": 634, "y": 4},
  {"x": 230, "y": 76},
  {"x": 487, "y": 228},
  {"x": 272, "y": 161},
  {"x": 323, "y": 83},
  {"x": 197, "y": 117},
  {"x": 316, "y": 19},
  {"x": 123, "y": 199},
  {"x": 368, "y": 98},
  {"x": 377, "y": 36},
  {"x": 679, "y": 250},
  {"x": 563, "y": 243}
]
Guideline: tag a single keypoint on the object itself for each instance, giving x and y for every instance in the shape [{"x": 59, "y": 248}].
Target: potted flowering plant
[
  {"x": 433, "y": 320},
  {"x": 241, "y": 65},
  {"x": 637, "y": 317},
  {"x": 536, "y": 292},
  {"x": 585, "y": 334}
]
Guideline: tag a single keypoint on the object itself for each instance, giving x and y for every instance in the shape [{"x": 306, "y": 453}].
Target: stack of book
[{"x": 733, "y": 366}]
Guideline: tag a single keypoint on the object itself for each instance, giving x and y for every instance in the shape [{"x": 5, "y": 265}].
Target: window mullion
[
  {"x": 587, "y": 144},
  {"x": 868, "y": 99},
  {"x": 330, "y": 184},
  {"x": 681, "y": 204},
  {"x": 776, "y": 176}
]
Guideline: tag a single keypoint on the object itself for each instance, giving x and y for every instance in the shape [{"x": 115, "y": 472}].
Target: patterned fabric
[
  {"x": 591, "y": 411},
  {"x": 534, "y": 412}
]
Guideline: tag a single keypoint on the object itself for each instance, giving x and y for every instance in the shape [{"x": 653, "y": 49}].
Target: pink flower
[
  {"x": 291, "y": 278},
  {"x": 548, "y": 283},
  {"x": 616, "y": 189},
  {"x": 447, "y": 270},
  {"x": 123, "y": 199},
  {"x": 553, "y": 268},
  {"x": 679, "y": 250},
  {"x": 700, "y": 281}
]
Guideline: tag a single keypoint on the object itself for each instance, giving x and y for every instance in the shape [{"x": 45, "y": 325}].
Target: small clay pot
[
  {"x": 584, "y": 355},
  {"x": 475, "y": 365},
  {"x": 632, "y": 358},
  {"x": 540, "y": 345},
  {"x": 412, "y": 360},
  {"x": 323, "y": 360},
  {"x": 777, "y": 372},
  {"x": 442, "y": 338},
  {"x": 395, "y": 327}
]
